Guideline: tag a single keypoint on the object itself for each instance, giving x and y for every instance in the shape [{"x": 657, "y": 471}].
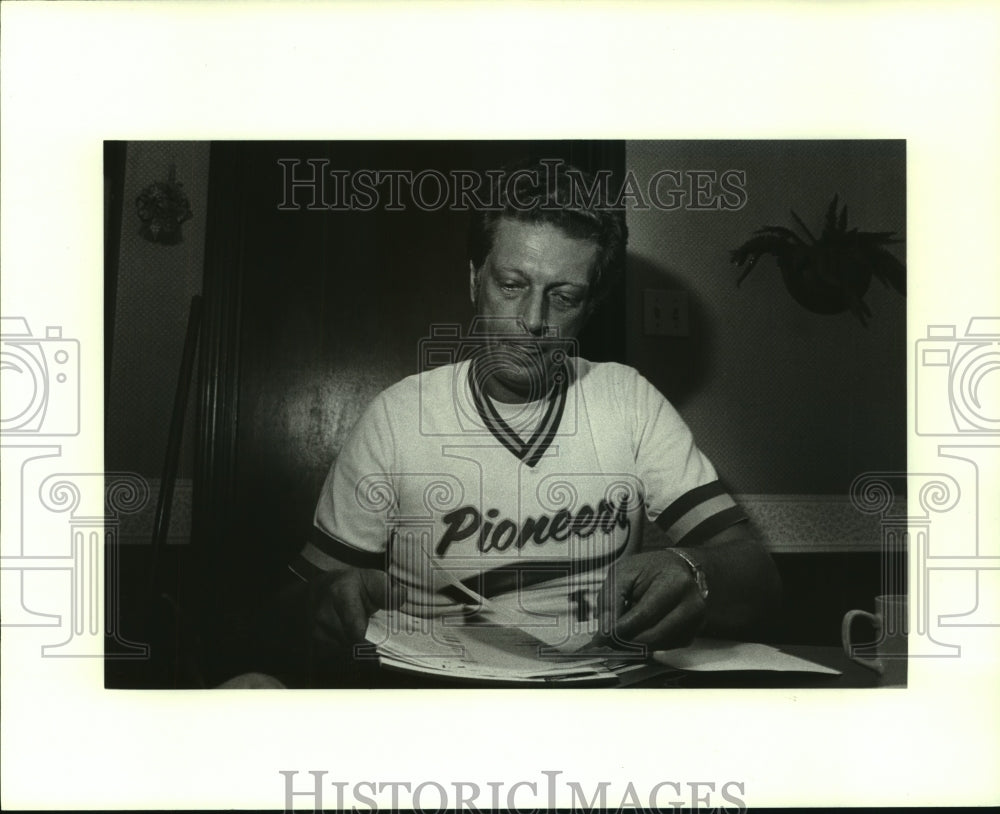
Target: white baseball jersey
[{"x": 527, "y": 504}]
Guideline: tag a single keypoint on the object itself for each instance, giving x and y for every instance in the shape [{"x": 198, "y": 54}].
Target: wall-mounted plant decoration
[
  {"x": 162, "y": 208},
  {"x": 829, "y": 274}
]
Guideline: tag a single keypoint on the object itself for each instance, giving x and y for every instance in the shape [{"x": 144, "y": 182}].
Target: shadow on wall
[{"x": 677, "y": 365}]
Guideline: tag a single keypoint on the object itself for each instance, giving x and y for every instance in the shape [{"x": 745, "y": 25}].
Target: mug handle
[{"x": 845, "y": 638}]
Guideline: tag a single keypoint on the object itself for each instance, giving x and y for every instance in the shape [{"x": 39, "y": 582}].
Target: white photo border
[{"x": 76, "y": 74}]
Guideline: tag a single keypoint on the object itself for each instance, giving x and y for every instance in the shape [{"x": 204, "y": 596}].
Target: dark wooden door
[{"x": 309, "y": 314}]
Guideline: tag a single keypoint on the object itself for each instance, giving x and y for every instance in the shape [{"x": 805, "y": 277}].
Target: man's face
[{"x": 535, "y": 283}]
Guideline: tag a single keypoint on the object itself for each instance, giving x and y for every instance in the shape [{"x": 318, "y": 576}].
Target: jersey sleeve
[
  {"x": 682, "y": 490},
  {"x": 350, "y": 524}
]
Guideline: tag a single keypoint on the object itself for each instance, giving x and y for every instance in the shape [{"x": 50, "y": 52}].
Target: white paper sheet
[
  {"x": 482, "y": 648},
  {"x": 720, "y": 654}
]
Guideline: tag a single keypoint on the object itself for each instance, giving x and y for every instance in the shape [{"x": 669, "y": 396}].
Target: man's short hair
[{"x": 551, "y": 191}]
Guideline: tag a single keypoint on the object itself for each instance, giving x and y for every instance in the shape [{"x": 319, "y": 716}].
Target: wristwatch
[{"x": 696, "y": 570}]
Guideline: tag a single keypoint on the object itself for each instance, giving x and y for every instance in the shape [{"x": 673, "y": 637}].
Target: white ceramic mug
[{"x": 891, "y": 622}]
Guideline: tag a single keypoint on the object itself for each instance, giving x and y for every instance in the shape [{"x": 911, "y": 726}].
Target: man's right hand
[{"x": 343, "y": 601}]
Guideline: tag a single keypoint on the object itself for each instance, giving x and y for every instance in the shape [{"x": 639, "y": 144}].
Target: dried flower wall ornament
[
  {"x": 162, "y": 208},
  {"x": 829, "y": 274}
]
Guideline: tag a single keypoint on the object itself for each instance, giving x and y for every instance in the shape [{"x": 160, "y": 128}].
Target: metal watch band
[{"x": 697, "y": 571}]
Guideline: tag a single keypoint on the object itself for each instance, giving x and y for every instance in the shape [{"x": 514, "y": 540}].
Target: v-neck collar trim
[{"x": 532, "y": 450}]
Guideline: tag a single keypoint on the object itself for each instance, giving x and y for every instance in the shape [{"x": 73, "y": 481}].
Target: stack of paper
[
  {"x": 481, "y": 647},
  {"x": 476, "y": 648},
  {"x": 524, "y": 635},
  {"x": 534, "y": 636}
]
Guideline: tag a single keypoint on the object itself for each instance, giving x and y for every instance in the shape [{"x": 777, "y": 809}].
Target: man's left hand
[{"x": 653, "y": 599}]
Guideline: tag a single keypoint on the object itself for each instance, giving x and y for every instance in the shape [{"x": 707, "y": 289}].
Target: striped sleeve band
[
  {"x": 699, "y": 514},
  {"x": 323, "y": 552}
]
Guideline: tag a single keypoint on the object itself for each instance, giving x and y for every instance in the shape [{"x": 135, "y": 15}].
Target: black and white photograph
[
  {"x": 523, "y": 406},
  {"x": 432, "y": 414}
]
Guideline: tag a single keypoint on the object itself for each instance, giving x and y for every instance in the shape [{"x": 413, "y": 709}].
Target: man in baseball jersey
[{"x": 510, "y": 477}]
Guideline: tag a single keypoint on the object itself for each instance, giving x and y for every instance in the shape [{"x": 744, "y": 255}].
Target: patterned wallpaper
[{"x": 155, "y": 286}]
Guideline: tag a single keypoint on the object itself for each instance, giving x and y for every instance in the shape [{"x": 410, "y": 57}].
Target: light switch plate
[{"x": 665, "y": 313}]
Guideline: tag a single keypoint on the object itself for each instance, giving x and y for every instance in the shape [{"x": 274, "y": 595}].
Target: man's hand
[
  {"x": 652, "y": 599},
  {"x": 344, "y": 600}
]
